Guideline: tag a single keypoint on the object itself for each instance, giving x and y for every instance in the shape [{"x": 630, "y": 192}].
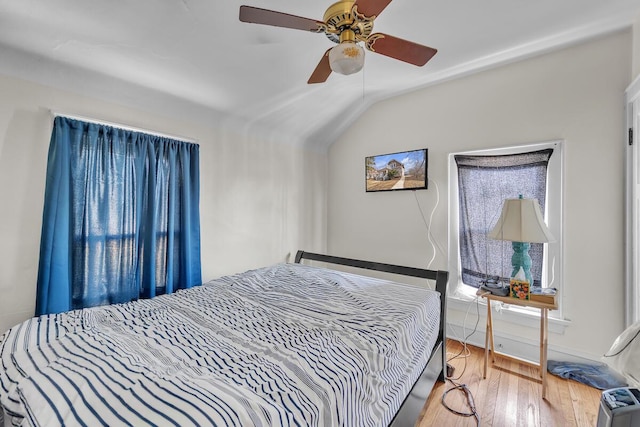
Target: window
[
  {"x": 479, "y": 183},
  {"x": 121, "y": 217}
]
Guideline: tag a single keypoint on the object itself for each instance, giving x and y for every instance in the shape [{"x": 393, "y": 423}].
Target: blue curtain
[{"x": 121, "y": 217}]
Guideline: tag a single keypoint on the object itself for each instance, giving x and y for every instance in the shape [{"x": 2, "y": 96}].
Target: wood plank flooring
[{"x": 510, "y": 396}]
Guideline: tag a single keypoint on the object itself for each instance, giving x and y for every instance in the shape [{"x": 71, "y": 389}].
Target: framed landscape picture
[{"x": 406, "y": 170}]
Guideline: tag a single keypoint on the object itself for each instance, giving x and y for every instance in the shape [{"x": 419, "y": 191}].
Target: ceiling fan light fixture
[
  {"x": 346, "y": 58},
  {"x": 347, "y": 23}
]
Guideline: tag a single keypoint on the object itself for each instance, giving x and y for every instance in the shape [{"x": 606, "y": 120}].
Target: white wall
[
  {"x": 575, "y": 94},
  {"x": 260, "y": 199},
  {"x": 636, "y": 48}
]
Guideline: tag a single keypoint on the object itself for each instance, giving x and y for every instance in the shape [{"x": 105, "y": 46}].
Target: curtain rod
[{"x": 55, "y": 114}]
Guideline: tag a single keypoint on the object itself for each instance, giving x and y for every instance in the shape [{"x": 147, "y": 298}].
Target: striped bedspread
[{"x": 278, "y": 346}]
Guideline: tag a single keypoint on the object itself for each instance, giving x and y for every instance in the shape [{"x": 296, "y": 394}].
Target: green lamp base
[{"x": 521, "y": 258}]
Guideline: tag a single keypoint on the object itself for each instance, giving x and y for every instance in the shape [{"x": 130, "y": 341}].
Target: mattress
[{"x": 285, "y": 345}]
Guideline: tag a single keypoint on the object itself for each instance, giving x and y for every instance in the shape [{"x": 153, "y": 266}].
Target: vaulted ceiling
[{"x": 194, "y": 57}]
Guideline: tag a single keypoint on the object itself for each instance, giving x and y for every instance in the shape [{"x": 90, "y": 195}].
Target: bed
[{"x": 291, "y": 344}]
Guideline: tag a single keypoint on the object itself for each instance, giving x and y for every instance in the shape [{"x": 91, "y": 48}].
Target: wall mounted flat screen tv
[{"x": 406, "y": 170}]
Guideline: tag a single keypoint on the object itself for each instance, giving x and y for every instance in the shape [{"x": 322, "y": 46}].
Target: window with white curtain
[{"x": 479, "y": 183}]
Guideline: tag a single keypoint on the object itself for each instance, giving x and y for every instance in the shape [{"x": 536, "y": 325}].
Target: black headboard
[{"x": 441, "y": 277}]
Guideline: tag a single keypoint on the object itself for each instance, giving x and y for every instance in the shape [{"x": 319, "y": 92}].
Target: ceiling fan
[{"x": 346, "y": 23}]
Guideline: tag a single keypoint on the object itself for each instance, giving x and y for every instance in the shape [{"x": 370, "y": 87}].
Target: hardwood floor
[{"x": 509, "y": 398}]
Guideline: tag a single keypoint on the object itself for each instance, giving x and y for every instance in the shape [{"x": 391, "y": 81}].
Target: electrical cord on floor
[
  {"x": 470, "y": 402},
  {"x": 463, "y": 387},
  {"x": 456, "y": 386}
]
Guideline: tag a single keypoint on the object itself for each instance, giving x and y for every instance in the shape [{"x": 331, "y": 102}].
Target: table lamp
[{"x": 521, "y": 222}]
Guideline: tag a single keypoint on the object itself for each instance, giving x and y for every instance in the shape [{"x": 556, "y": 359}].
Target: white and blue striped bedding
[{"x": 283, "y": 345}]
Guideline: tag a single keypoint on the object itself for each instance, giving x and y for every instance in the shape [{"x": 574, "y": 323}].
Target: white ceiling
[{"x": 197, "y": 55}]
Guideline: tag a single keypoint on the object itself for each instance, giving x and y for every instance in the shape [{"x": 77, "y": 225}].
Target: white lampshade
[
  {"x": 346, "y": 58},
  {"x": 521, "y": 221}
]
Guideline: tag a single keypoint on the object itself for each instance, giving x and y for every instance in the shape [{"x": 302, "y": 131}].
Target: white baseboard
[{"x": 518, "y": 346}]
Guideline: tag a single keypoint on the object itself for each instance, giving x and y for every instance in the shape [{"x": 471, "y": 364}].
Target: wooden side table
[{"x": 544, "y": 320}]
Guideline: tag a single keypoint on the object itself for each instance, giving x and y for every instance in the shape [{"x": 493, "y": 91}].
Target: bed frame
[{"x": 435, "y": 370}]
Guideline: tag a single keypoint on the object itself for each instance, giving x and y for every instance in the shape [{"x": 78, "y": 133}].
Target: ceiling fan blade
[
  {"x": 400, "y": 49},
  {"x": 322, "y": 71},
  {"x": 255, "y": 15},
  {"x": 371, "y": 8}
]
